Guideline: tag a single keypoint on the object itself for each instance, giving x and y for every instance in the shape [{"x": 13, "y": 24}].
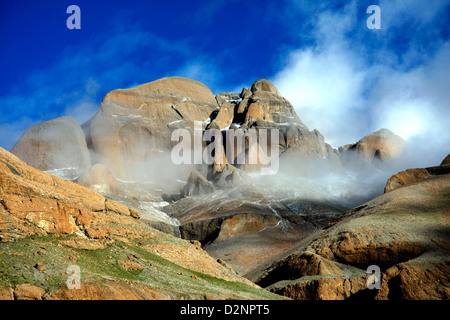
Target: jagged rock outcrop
[
  {"x": 54, "y": 145},
  {"x": 405, "y": 177},
  {"x": 197, "y": 185},
  {"x": 446, "y": 161},
  {"x": 263, "y": 107}
]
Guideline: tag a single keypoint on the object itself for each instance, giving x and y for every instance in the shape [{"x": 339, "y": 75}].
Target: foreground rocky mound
[
  {"x": 48, "y": 224},
  {"x": 410, "y": 175},
  {"x": 405, "y": 232}
]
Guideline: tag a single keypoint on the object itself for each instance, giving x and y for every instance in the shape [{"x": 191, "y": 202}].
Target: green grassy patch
[{"x": 19, "y": 258}]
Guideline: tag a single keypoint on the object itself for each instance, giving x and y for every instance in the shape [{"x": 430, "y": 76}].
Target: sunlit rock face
[
  {"x": 133, "y": 127},
  {"x": 240, "y": 215},
  {"x": 262, "y": 107}
]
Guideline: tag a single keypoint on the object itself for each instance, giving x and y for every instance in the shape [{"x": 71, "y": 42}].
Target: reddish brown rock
[
  {"x": 322, "y": 288},
  {"x": 405, "y": 177},
  {"x": 135, "y": 125},
  {"x": 224, "y": 117},
  {"x": 6, "y": 294},
  {"x": 411, "y": 175},
  {"x": 241, "y": 224},
  {"x": 107, "y": 290},
  {"x": 28, "y": 292}
]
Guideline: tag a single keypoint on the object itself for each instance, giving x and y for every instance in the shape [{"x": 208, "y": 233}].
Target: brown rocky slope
[
  {"x": 405, "y": 232},
  {"x": 48, "y": 224}
]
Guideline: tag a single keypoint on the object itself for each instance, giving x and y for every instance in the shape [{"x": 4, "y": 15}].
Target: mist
[{"x": 347, "y": 90}]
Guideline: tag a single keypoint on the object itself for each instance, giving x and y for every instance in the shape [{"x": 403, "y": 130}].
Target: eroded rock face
[
  {"x": 405, "y": 177},
  {"x": 446, "y": 161},
  {"x": 263, "y": 108},
  {"x": 52, "y": 145},
  {"x": 197, "y": 185},
  {"x": 246, "y": 227},
  {"x": 133, "y": 126}
]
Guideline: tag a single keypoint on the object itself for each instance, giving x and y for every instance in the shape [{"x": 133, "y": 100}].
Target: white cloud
[
  {"x": 345, "y": 94},
  {"x": 325, "y": 88}
]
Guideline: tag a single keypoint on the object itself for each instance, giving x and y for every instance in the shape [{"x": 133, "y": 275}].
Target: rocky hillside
[
  {"x": 405, "y": 232},
  {"x": 48, "y": 224},
  {"x": 283, "y": 231}
]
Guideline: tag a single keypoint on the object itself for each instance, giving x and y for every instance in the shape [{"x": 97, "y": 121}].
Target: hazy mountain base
[{"x": 405, "y": 232}]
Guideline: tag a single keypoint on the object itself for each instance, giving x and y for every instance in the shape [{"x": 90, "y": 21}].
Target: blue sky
[{"x": 341, "y": 77}]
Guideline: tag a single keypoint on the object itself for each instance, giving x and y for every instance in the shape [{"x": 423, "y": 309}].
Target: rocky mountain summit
[{"x": 283, "y": 231}]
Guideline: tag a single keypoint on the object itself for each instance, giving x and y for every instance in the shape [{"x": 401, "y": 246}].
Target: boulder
[
  {"x": 53, "y": 145},
  {"x": 197, "y": 185},
  {"x": 228, "y": 177},
  {"x": 28, "y": 292},
  {"x": 412, "y": 175},
  {"x": 405, "y": 177}
]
